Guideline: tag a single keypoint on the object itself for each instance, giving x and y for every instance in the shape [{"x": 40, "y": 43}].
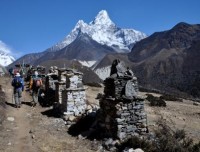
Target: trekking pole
[{"x": 13, "y": 98}]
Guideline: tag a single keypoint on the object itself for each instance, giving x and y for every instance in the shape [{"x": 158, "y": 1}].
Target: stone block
[
  {"x": 125, "y": 114},
  {"x": 120, "y": 121},
  {"x": 69, "y": 113},
  {"x": 121, "y": 135},
  {"x": 131, "y": 128},
  {"x": 72, "y": 118}
]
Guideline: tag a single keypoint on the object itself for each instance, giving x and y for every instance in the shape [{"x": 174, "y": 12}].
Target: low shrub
[
  {"x": 136, "y": 142},
  {"x": 164, "y": 139},
  {"x": 196, "y": 147},
  {"x": 155, "y": 101}
]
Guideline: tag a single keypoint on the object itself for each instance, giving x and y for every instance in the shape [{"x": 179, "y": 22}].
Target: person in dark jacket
[{"x": 18, "y": 88}]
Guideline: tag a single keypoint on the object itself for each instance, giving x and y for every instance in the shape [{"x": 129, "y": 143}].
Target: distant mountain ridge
[
  {"x": 88, "y": 43},
  {"x": 181, "y": 36},
  {"x": 169, "y": 60},
  {"x": 165, "y": 61},
  {"x": 105, "y": 32},
  {"x": 84, "y": 48}
]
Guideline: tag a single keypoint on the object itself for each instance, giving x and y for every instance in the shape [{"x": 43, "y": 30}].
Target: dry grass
[
  {"x": 52, "y": 143},
  {"x": 91, "y": 94},
  {"x": 179, "y": 115}
]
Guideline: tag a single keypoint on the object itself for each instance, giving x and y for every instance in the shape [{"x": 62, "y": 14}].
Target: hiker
[
  {"x": 11, "y": 72},
  {"x": 35, "y": 85},
  {"x": 18, "y": 86}
]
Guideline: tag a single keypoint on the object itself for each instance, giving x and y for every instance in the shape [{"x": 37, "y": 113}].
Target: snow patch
[
  {"x": 103, "y": 72},
  {"x": 87, "y": 63}
]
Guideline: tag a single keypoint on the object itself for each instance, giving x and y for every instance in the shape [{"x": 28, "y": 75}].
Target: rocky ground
[
  {"x": 178, "y": 115},
  {"x": 40, "y": 130},
  {"x": 36, "y": 129}
]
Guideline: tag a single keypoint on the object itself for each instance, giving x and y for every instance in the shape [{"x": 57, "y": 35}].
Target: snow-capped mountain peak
[
  {"x": 5, "y": 58},
  {"x": 80, "y": 24},
  {"x": 102, "y": 18},
  {"x": 103, "y": 31}
]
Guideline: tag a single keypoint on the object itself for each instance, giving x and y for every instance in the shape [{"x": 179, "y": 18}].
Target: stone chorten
[
  {"x": 71, "y": 95},
  {"x": 122, "y": 110}
]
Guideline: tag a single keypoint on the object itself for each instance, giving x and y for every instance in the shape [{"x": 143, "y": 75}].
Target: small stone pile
[{"x": 122, "y": 109}]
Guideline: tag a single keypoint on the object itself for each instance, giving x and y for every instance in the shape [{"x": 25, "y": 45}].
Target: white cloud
[{"x": 5, "y": 48}]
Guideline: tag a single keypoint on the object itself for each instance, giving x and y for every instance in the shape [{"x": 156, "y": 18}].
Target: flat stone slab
[{"x": 10, "y": 118}]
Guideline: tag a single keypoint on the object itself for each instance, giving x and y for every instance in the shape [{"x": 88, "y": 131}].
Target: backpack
[
  {"x": 37, "y": 83},
  {"x": 17, "y": 82}
]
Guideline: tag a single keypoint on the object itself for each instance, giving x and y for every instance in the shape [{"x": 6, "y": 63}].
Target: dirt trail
[
  {"x": 22, "y": 138},
  {"x": 36, "y": 129},
  {"x": 20, "y": 126}
]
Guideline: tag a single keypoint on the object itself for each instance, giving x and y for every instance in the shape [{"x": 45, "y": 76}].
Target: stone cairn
[
  {"x": 52, "y": 78},
  {"x": 70, "y": 95},
  {"x": 50, "y": 85},
  {"x": 122, "y": 109},
  {"x": 65, "y": 91}
]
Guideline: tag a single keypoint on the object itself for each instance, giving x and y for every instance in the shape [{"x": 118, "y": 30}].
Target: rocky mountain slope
[
  {"x": 103, "y": 68},
  {"x": 169, "y": 60},
  {"x": 83, "y": 48}
]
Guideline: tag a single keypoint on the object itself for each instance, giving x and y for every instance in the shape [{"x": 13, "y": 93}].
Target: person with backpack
[
  {"x": 35, "y": 85},
  {"x": 18, "y": 88}
]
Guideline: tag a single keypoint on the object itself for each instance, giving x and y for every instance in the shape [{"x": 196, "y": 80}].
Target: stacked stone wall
[
  {"x": 73, "y": 102},
  {"x": 122, "y": 109}
]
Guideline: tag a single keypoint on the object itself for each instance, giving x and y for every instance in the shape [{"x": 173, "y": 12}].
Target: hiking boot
[
  {"x": 17, "y": 106},
  {"x": 34, "y": 104}
]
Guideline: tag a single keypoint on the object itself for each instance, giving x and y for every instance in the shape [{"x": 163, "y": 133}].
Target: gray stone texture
[
  {"x": 70, "y": 93},
  {"x": 122, "y": 110}
]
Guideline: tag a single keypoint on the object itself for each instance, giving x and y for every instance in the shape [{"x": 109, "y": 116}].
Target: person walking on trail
[
  {"x": 35, "y": 85},
  {"x": 18, "y": 88}
]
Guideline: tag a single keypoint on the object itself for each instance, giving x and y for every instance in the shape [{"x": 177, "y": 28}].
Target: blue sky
[{"x": 34, "y": 25}]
